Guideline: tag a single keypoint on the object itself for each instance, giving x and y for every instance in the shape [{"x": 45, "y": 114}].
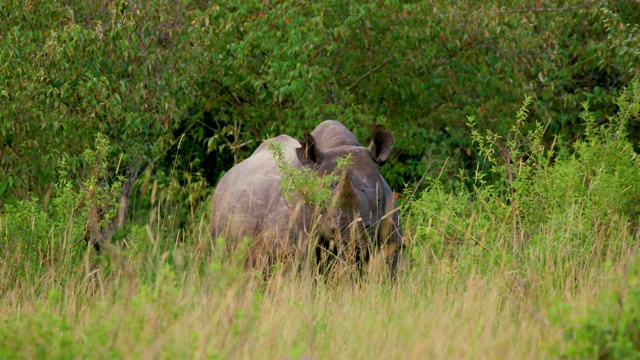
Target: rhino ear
[
  {"x": 309, "y": 154},
  {"x": 380, "y": 147}
]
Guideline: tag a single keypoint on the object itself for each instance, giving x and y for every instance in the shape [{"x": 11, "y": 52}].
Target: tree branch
[
  {"x": 369, "y": 73},
  {"x": 570, "y": 8}
]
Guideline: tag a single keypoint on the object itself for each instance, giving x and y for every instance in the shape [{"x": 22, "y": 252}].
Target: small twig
[
  {"x": 369, "y": 73},
  {"x": 531, "y": 310},
  {"x": 268, "y": 3},
  {"x": 475, "y": 242},
  {"x": 570, "y": 8},
  {"x": 415, "y": 188},
  {"x": 451, "y": 55}
]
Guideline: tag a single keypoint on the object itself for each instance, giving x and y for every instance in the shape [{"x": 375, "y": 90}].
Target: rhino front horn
[{"x": 346, "y": 194}]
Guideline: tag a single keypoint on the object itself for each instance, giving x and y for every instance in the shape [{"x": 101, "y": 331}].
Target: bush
[{"x": 551, "y": 212}]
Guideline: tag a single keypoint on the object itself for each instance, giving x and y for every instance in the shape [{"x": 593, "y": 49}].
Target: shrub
[{"x": 551, "y": 212}]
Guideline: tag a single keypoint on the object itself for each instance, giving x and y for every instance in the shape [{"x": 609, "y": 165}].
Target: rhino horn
[
  {"x": 309, "y": 154},
  {"x": 381, "y": 141},
  {"x": 346, "y": 194}
]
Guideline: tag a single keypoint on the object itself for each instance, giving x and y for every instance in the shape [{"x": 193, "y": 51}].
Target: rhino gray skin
[{"x": 362, "y": 215}]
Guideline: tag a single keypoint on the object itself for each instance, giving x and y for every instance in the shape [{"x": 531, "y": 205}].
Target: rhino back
[{"x": 248, "y": 200}]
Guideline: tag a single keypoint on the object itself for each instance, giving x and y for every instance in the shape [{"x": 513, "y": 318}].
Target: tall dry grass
[{"x": 190, "y": 304}]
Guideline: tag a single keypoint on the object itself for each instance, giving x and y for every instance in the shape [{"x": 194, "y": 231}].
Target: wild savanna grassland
[{"x": 516, "y": 162}]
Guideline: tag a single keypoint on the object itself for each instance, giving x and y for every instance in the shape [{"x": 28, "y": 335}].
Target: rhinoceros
[{"x": 361, "y": 216}]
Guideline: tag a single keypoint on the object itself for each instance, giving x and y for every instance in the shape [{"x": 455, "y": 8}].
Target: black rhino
[{"x": 361, "y": 217}]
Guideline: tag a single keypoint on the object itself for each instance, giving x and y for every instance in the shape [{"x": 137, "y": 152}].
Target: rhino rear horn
[
  {"x": 381, "y": 141},
  {"x": 309, "y": 153}
]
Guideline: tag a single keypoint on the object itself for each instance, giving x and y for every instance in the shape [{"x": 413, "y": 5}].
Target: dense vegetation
[{"x": 517, "y": 135}]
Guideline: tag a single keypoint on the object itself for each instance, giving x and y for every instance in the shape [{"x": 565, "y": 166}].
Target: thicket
[{"x": 184, "y": 89}]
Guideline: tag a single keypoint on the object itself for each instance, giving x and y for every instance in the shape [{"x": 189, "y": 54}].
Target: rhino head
[{"x": 351, "y": 224}]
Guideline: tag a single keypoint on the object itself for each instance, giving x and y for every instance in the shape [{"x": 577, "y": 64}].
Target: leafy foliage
[
  {"x": 187, "y": 89},
  {"x": 70, "y": 72},
  {"x": 418, "y": 68},
  {"x": 302, "y": 181}
]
